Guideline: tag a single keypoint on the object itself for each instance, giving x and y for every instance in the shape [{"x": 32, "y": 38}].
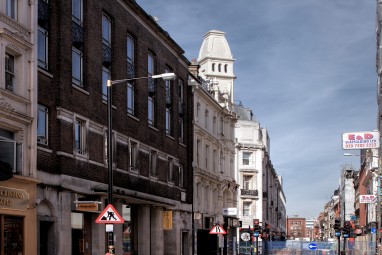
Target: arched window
[
  {"x": 219, "y": 68},
  {"x": 225, "y": 68},
  {"x": 213, "y": 67}
]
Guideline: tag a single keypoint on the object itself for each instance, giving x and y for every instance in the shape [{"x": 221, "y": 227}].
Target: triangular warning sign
[
  {"x": 109, "y": 216},
  {"x": 218, "y": 230}
]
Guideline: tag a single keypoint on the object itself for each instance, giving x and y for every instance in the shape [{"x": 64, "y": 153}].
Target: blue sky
[{"x": 307, "y": 70}]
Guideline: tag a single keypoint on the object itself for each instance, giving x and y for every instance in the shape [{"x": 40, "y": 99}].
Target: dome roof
[{"x": 214, "y": 45}]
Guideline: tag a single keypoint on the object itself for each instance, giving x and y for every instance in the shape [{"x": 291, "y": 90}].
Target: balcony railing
[{"x": 249, "y": 192}]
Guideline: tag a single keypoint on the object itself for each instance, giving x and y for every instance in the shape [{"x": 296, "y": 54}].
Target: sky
[{"x": 306, "y": 68}]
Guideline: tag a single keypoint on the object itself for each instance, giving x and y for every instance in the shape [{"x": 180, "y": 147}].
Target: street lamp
[
  {"x": 369, "y": 154},
  {"x": 109, "y": 83}
]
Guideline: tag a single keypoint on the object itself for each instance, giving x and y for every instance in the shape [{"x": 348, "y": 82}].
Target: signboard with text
[
  {"x": 360, "y": 140},
  {"x": 367, "y": 199}
]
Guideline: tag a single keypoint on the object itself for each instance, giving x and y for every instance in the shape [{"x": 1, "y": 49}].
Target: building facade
[
  {"x": 261, "y": 193},
  {"x": 215, "y": 187},
  {"x": 82, "y": 44},
  {"x": 18, "y": 118}
]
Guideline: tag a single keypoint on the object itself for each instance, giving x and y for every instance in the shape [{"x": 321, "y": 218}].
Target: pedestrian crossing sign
[
  {"x": 218, "y": 230},
  {"x": 110, "y": 216}
]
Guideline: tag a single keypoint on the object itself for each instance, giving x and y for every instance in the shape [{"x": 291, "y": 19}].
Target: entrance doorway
[{"x": 207, "y": 244}]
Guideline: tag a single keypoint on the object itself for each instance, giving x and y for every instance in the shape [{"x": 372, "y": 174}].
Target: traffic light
[
  {"x": 337, "y": 226},
  {"x": 256, "y": 227},
  {"x": 346, "y": 229}
]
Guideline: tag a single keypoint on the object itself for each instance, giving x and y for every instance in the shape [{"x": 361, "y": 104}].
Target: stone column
[
  {"x": 157, "y": 240},
  {"x": 144, "y": 230}
]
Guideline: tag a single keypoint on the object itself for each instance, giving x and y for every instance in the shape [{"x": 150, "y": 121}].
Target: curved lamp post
[{"x": 109, "y": 83}]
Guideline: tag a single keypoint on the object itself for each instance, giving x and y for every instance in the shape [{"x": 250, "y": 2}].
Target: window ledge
[{"x": 80, "y": 89}]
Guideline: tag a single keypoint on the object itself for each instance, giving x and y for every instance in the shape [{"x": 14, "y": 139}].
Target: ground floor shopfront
[
  {"x": 18, "y": 216},
  {"x": 212, "y": 244},
  {"x": 67, "y": 216}
]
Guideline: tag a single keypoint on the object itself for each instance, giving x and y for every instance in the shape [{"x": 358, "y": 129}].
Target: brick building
[
  {"x": 296, "y": 228},
  {"x": 83, "y": 43}
]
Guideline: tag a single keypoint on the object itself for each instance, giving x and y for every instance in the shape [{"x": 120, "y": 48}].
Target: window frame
[
  {"x": 246, "y": 161},
  {"x": 106, "y": 34},
  {"x": 12, "y": 9},
  {"x": 79, "y": 135},
  {"x": 78, "y": 81},
  {"x": 43, "y": 42},
  {"x": 10, "y": 70},
  {"x": 75, "y": 18},
  {"x": 105, "y": 71},
  {"x": 153, "y": 163},
  {"x": 42, "y": 111}
]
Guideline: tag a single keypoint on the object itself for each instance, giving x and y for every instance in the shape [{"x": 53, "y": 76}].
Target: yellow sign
[
  {"x": 13, "y": 198},
  {"x": 87, "y": 207},
  {"x": 167, "y": 220}
]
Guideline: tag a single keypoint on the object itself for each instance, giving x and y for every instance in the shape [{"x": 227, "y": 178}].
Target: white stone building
[
  {"x": 215, "y": 188},
  {"x": 18, "y": 122}
]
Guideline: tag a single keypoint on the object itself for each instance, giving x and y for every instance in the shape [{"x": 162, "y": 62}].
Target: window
[
  {"x": 79, "y": 136},
  {"x": 181, "y": 130},
  {"x": 133, "y": 156},
  {"x": 181, "y": 176},
  {"x": 130, "y": 98},
  {"x": 153, "y": 163},
  {"x": 168, "y": 121},
  {"x": 170, "y": 169},
  {"x": 247, "y": 182},
  {"x": 105, "y": 77},
  {"x": 42, "y": 48},
  {"x": 151, "y": 89},
  {"x": 106, "y": 30},
  {"x": 130, "y": 56},
  {"x": 207, "y": 154},
  {"x": 225, "y": 68},
  {"x": 9, "y": 72},
  {"x": 11, "y": 229},
  {"x": 77, "y": 7},
  {"x": 8, "y": 149},
  {"x": 197, "y": 111},
  {"x": 246, "y": 208},
  {"x": 42, "y": 125},
  {"x": 214, "y": 159},
  {"x": 198, "y": 148},
  {"x": 219, "y": 67},
  {"x": 77, "y": 69},
  {"x": 213, "y": 67},
  {"x": 130, "y": 74},
  {"x": 221, "y": 126},
  {"x": 206, "y": 119},
  {"x": 214, "y": 125},
  {"x": 11, "y": 6},
  {"x": 151, "y": 105},
  {"x": 246, "y": 158}
]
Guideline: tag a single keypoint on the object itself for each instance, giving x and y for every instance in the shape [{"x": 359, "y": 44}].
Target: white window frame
[
  {"x": 247, "y": 160},
  {"x": 247, "y": 208}
]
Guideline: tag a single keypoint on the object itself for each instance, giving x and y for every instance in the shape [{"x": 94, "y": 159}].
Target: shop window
[{"x": 11, "y": 229}]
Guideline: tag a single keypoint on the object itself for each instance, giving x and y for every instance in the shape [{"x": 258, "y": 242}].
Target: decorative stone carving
[{"x": 5, "y": 105}]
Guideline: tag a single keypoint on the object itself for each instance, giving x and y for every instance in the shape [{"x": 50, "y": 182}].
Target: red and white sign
[
  {"x": 218, "y": 230},
  {"x": 110, "y": 216},
  {"x": 367, "y": 199},
  {"x": 360, "y": 140}
]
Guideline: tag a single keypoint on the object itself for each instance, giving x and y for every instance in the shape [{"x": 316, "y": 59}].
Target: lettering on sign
[{"x": 13, "y": 198}]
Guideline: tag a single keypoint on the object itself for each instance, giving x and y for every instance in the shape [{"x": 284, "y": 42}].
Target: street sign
[
  {"x": 360, "y": 140},
  {"x": 312, "y": 246},
  {"x": 109, "y": 216},
  {"x": 218, "y": 230}
]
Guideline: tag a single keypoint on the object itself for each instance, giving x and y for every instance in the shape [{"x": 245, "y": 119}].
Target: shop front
[{"x": 18, "y": 216}]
